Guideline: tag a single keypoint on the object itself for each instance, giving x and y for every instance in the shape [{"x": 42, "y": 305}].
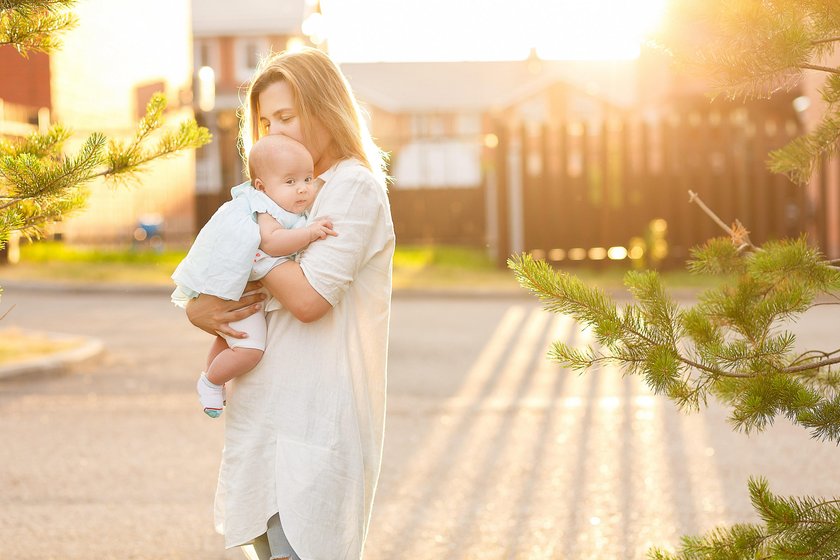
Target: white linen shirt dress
[{"x": 304, "y": 428}]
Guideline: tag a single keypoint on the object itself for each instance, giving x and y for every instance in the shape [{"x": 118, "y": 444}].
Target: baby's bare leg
[
  {"x": 228, "y": 359},
  {"x": 219, "y": 345},
  {"x": 231, "y": 363},
  {"x": 227, "y": 364}
]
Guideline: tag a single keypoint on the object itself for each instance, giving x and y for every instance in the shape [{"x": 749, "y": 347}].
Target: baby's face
[{"x": 290, "y": 184}]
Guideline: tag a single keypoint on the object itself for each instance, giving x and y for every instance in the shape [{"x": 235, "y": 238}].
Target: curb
[
  {"x": 59, "y": 362},
  {"x": 83, "y": 287}
]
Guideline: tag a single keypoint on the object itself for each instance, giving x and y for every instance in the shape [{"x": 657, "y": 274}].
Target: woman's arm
[
  {"x": 289, "y": 286},
  {"x": 355, "y": 202},
  {"x": 214, "y": 315}
]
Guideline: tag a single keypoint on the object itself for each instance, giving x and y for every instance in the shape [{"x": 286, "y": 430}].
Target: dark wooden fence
[
  {"x": 597, "y": 194},
  {"x": 449, "y": 216},
  {"x": 620, "y": 190}
]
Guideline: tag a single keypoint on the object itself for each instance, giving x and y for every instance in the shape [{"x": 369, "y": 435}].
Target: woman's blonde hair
[{"x": 320, "y": 91}]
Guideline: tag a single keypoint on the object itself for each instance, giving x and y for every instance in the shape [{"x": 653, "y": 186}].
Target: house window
[
  {"x": 466, "y": 125},
  {"x": 438, "y": 163},
  {"x": 206, "y": 53},
  {"x": 247, "y": 53},
  {"x": 437, "y": 127},
  {"x": 419, "y": 126},
  {"x": 251, "y": 55},
  {"x": 423, "y": 126}
]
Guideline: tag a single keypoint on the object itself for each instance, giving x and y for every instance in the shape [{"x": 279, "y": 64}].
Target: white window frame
[
  {"x": 214, "y": 56},
  {"x": 467, "y": 124},
  {"x": 242, "y": 71}
]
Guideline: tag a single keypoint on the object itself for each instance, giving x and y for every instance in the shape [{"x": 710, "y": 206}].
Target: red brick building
[{"x": 24, "y": 91}]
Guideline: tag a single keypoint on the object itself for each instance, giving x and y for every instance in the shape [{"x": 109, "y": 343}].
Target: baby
[{"x": 264, "y": 218}]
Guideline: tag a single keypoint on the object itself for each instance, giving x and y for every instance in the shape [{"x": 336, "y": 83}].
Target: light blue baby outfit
[{"x": 225, "y": 254}]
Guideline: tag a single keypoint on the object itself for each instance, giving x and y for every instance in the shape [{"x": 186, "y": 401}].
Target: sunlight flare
[{"x": 554, "y": 29}]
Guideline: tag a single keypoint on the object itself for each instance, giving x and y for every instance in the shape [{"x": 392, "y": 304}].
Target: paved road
[{"x": 491, "y": 451}]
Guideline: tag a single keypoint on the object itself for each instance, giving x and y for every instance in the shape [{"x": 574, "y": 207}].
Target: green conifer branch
[
  {"x": 825, "y": 40},
  {"x": 793, "y": 527},
  {"x": 654, "y": 339},
  {"x": 188, "y": 136},
  {"x": 32, "y": 177},
  {"x": 807, "y": 353},
  {"x": 751, "y": 49},
  {"x": 819, "y": 364},
  {"x": 799, "y": 158},
  {"x": 35, "y": 24},
  {"x": 731, "y": 344},
  {"x": 828, "y": 69},
  {"x": 43, "y": 145},
  {"x": 38, "y": 184},
  {"x": 125, "y": 160}
]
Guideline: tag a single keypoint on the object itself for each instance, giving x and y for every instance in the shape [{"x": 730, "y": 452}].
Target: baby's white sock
[{"x": 210, "y": 395}]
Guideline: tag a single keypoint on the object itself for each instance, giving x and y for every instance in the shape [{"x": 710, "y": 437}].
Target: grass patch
[
  {"x": 53, "y": 261},
  {"x": 468, "y": 268},
  {"x": 445, "y": 267},
  {"x": 55, "y": 252},
  {"x": 84, "y": 273},
  {"x": 19, "y": 346}
]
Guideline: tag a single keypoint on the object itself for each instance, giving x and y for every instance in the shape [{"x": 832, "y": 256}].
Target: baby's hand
[{"x": 320, "y": 229}]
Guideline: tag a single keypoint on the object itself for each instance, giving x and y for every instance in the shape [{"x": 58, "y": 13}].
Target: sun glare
[
  {"x": 594, "y": 29},
  {"x": 428, "y": 30}
]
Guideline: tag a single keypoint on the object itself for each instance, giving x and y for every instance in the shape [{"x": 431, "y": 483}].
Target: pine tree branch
[
  {"x": 713, "y": 371},
  {"x": 156, "y": 155},
  {"x": 111, "y": 170},
  {"x": 694, "y": 197},
  {"x": 3, "y": 316},
  {"x": 817, "y": 546},
  {"x": 739, "y": 234},
  {"x": 764, "y": 501},
  {"x": 805, "y": 354},
  {"x": 35, "y": 196},
  {"x": 14, "y": 201},
  {"x": 36, "y": 25},
  {"x": 834, "y": 264},
  {"x": 70, "y": 174},
  {"x": 821, "y": 504},
  {"x": 532, "y": 282},
  {"x": 29, "y": 6},
  {"x": 826, "y": 40},
  {"x": 807, "y": 66},
  {"x": 815, "y": 365}
]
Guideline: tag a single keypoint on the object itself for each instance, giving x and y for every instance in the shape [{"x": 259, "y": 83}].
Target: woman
[{"x": 303, "y": 431}]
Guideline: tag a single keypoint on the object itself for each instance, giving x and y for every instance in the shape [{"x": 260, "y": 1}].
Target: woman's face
[{"x": 278, "y": 116}]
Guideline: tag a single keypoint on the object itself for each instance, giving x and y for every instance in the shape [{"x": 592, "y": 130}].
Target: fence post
[
  {"x": 502, "y": 210},
  {"x": 515, "y": 183},
  {"x": 761, "y": 212}
]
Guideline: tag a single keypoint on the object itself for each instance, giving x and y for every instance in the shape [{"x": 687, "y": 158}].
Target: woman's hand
[{"x": 214, "y": 315}]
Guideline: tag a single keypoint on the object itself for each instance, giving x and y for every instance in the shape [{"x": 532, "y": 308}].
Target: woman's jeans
[{"x": 272, "y": 545}]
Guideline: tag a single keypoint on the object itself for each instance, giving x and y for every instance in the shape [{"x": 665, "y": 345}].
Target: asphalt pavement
[{"x": 491, "y": 451}]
